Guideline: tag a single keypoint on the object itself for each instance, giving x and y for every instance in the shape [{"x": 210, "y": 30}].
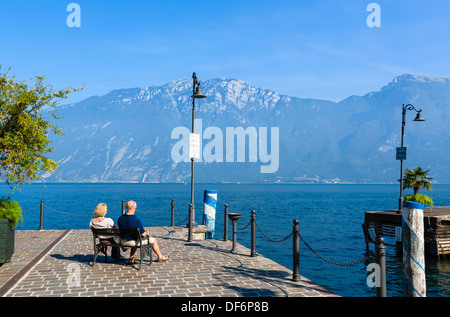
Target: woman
[{"x": 100, "y": 222}]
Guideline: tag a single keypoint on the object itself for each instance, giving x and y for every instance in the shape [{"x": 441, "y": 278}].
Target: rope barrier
[
  {"x": 76, "y": 215},
  {"x": 42, "y": 206},
  {"x": 154, "y": 211},
  {"x": 84, "y": 215},
  {"x": 67, "y": 213},
  {"x": 28, "y": 210}
]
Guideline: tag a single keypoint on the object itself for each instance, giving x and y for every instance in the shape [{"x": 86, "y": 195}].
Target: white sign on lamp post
[{"x": 194, "y": 146}]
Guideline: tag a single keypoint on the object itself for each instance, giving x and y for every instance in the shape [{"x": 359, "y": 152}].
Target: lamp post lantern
[
  {"x": 418, "y": 118},
  {"x": 196, "y": 94}
]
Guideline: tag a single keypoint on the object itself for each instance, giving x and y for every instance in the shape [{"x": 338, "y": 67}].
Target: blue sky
[{"x": 309, "y": 49}]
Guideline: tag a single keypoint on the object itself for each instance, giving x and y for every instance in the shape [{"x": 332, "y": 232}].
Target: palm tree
[{"x": 417, "y": 179}]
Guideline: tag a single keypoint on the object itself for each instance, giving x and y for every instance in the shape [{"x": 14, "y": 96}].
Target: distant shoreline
[{"x": 217, "y": 183}]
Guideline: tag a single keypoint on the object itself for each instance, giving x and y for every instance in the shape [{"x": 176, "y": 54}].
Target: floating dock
[
  {"x": 58, "y": 263},
  {"x": 389, "y": 224}
]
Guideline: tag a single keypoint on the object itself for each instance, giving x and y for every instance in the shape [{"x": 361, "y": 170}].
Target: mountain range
[{"x": 127, "y": 134}]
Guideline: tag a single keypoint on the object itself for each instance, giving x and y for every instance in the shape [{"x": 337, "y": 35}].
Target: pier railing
[
  {"x": 42, "y": 207},
  {"x": 380, "y": 255},
  {"x": 294, "y": 233}
]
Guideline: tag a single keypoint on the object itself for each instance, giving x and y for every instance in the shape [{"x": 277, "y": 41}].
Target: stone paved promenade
[{"x": 46, "y": 262}]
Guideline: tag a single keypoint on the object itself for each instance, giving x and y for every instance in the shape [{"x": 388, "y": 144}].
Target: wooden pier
[{"x": 388, "y": 223}]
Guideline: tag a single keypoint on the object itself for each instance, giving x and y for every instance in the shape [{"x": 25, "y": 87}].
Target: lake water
[{"x": 330, "y": 217}]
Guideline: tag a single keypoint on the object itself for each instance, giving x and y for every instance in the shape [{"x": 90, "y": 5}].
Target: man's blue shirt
[{"x": 130, "y": 222}]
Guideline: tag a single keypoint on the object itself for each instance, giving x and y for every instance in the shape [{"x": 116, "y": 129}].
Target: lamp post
[
  {"x": 418, "y": 118},
  {"x": 196, "y": 94}
]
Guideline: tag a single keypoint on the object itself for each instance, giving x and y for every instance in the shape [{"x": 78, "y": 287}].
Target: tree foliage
[
  {"x": 417, "y": 179},
  {"x": 10, "y": 210},
  {"x": 26, "y": 112}
]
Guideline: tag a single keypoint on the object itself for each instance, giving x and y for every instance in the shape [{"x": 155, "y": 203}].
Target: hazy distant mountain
[{"x": 125, "y": 136}]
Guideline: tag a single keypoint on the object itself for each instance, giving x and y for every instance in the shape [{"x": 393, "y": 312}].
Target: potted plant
[
  {"x": 10, "y": 217},
  {"x": 420, "y": 198},
  {"x": 418, "y": 179}
]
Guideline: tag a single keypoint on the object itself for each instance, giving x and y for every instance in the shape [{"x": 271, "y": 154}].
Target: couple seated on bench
[{"x": 126, "y": 221}]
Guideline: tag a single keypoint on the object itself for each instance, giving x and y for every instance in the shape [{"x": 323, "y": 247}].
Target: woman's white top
[{"x": 104, "y": 224}]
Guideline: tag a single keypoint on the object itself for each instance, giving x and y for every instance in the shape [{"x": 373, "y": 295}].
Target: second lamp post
[{"x": 402, "y": 157}]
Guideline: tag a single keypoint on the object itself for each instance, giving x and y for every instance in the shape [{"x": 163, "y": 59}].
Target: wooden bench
[
  {"x": 385, "y": 224},
  {"x": 145, "y": 249}
]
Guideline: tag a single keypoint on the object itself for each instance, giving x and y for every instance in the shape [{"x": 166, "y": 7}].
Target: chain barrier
[
  {"x": 245, "y": 226},
  {"x": 176, "y": 213},
  {"x": 271, "y": 239},
  {"x": 367, "y": 257}
]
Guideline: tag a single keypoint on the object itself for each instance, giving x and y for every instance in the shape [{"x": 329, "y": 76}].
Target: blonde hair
[{"x": 100, "y": 210}]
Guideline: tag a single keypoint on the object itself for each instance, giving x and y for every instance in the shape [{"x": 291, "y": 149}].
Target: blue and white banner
[{"x": 209, "y": 211}]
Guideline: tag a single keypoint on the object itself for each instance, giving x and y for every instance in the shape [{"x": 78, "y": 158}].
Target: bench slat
[{"x": 132, "y": 233}]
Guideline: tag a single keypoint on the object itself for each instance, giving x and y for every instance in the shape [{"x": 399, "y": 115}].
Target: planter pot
[{"x": 6, "y": 241}]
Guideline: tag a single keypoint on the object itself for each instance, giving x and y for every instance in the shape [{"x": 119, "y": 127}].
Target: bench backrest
[{"x": 132, "y": 233}]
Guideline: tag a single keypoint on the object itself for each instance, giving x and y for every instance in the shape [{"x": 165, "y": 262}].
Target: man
[{"x": 131, "y": 221}]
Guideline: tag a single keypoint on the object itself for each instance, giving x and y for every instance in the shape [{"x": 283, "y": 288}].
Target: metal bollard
[
  {"x": 123, "y": 206},
  {"x": 380, "y": 256},
  {"x": 225, "y": 224},
  {"x": 190, "y": 224},
  {"x": 234, "y": 219},
  {"x": 296, "y": 252},
  {"x": 172, "y": 223},
  {"x": 41, "y": 222},
  {"x": 253, "y": 242}
]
